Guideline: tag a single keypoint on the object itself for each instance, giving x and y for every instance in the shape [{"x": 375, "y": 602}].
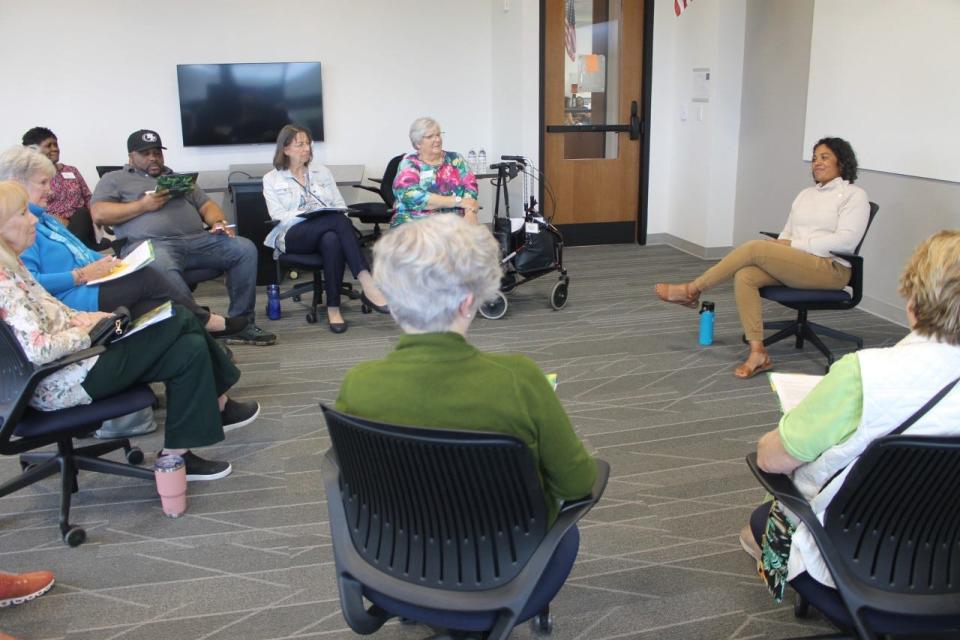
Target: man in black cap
[{"x": 128, "y": 201}]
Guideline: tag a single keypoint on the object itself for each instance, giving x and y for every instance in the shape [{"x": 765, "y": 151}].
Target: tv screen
[{"x": 248, "y": 103}]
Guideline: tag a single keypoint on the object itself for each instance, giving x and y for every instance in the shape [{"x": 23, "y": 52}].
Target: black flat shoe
[
  {"x": 379, "y": 308},
  {"x": 337, "y": 327}
]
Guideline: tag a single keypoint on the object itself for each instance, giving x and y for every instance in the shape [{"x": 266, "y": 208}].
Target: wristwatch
[{"x": 458, "y": 199}]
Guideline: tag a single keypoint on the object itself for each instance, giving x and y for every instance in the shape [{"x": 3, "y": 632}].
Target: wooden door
[{"x": 592, "y": 107}]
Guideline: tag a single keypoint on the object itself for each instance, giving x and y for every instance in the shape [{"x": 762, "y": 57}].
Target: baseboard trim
[
  {"x": 695, "y": 250},
  {"x": 885, "y": 310}
]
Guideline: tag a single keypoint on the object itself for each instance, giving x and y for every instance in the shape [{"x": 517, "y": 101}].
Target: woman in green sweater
[{"x": 434, "y": 274}]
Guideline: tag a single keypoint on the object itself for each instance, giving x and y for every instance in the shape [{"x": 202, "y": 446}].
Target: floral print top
[
  {"x": 41, "y": 324},
  {"x": 416, "y": 181},
  {"x": 69, "y": 193}
]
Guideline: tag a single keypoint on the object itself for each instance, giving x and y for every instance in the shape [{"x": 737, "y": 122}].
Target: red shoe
[{"x": 17, "y": 589}]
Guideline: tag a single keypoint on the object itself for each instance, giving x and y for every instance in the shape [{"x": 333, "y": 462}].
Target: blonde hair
[
  {"x": 13, "y": 198},
  {"x": 426, "y": 269},
  {"x": 931, "y": 282}
]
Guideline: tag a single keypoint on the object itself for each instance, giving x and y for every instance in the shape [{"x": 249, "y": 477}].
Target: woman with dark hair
[
  {"x": 830, "y": 216},
  {"x": 68, "y": 189},
  {"x": 294, "y": 187}
]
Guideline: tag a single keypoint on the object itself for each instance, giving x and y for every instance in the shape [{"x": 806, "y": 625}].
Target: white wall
[
  {"x": 97, "y": 70},
  {"x": 693, "y": 163}
]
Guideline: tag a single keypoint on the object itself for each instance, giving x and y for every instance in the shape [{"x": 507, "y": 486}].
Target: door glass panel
[{"x": 591, "y": 36}]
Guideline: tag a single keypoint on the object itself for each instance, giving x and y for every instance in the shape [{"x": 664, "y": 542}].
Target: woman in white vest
[{"x": 867, "y": 395}]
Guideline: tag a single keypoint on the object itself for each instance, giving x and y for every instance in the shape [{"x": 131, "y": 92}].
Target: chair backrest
[
  {"x": 874, "y": 207},
  {"x": 15, "y": 374},
  {"x": 386, "y": 183},
  {"x": 102, "y": 170},
  {"x": 458, "y": 510},
  {"x": 895, "y": 522}
]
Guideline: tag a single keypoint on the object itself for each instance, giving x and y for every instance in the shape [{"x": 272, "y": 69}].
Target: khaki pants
[{"x": 762, "y": 263}]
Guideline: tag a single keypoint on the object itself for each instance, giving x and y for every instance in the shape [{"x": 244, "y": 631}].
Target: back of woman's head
[
  {"x": 427, "y": 268},
  {"x": 13, "y": 198},
  {"x": 931, "y": 283},
  {"x": 21, "y": 163}
]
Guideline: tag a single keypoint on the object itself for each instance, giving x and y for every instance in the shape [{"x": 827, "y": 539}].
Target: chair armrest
[
  {"x": 43, "y": 371},
  {"x": 599, "y": 485},
  {"x": 781, "y": 487},
  {"x": 770, "y": 234},
  {"x": 849, "y": 257},
  {"x": 367, "y": 188},
  {"x": 271, "y": 223},
  {"x": 377, "y": 180}
]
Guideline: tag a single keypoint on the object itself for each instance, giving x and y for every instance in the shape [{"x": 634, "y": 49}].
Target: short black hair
[
  {"x": 846, "y": 158},
  {"x": 37, "y": 135}
]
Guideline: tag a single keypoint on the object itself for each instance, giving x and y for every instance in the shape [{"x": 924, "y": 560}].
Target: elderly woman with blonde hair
[
  {"x": 866, "y": 395},
  {"x": 176, "y": 351},
  {"x": 433, "y": 180},
  {"x": 435, "y": 273}
]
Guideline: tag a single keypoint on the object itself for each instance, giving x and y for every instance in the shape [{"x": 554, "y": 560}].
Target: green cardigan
[{"x": 439, "y": 380}]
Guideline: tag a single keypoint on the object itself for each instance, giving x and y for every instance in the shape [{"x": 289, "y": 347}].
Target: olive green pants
[
  {"x": 180, "y": 353},
  {"x": 762, "y": 263}
]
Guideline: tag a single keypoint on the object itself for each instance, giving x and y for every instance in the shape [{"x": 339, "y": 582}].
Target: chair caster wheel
[
  {"x": 296, "y": 298},
  {"x": 134, "y": 455},
  {"x": 365, "y": 309},
  {"x": 558, "y": 297},
  {"x": 541, "y": 625},
  {"x": 311, "y": 318},
  {"x": 74, "y": 536},
  {"x": 495, "y": 308},
  {"x": 26, "y": 466}
]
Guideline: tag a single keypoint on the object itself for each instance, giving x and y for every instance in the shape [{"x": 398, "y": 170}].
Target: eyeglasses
[{"x": 434, "y": 136}]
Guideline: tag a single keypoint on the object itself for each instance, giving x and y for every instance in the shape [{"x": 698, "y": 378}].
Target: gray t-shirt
[{"x": 179, "y": 217}]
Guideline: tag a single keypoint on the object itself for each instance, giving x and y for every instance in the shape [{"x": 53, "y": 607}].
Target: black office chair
[
  {"x": 377, "y": 213},
  {"x": 103, "y": 169},
  {"x": 805, "y": 300},
  {"x": 80, "y": 224},
  {"x": 890, "y": 539},
  {"x": 446, "y": 528},
  {"x": 23, "y": 429},
  {"x": 310, "y": 263}
]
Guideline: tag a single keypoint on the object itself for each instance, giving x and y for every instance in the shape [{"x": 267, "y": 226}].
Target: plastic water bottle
[
  {"x": 273, "y": 301},
  {"x": 472, "y": 160},
  {"x": 481, "y": 161},
  {"x": 706, "y": 323}
]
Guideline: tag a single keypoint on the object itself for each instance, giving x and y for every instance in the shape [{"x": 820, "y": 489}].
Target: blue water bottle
[
  {"x": 706, "y": 323},
  {"x": 273, "y": 301}
]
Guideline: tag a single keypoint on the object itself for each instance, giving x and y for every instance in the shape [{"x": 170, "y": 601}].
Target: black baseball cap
[{"x": 144, "y": 139}]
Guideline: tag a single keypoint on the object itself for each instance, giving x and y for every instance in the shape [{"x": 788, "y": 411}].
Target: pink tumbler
[{"x": 172, "y": 484}]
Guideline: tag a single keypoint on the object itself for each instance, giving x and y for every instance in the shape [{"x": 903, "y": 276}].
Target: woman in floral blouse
[
  {"x": 176, "y": 351},
  {"x": 433, "y": 180},
  {"x": 69, "y": 191}
]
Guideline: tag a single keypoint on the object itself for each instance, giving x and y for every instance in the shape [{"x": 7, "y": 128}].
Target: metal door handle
[{"x": 634, "y": 128}]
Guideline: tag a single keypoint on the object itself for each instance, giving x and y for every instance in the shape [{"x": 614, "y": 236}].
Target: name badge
[{"x": 68, "y": 175}]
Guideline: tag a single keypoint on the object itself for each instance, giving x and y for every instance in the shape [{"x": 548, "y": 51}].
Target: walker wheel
[
  {"x": 311, "y": 317},
  {"x": 495, "y": 308},
  {"x": 558, "y": 297}
]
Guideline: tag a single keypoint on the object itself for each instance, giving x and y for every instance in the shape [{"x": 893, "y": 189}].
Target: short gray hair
[
  {"x": 20, "y": 163},
  {"x": 419, "y": 129},
  {"x": 427, "y": 267}
]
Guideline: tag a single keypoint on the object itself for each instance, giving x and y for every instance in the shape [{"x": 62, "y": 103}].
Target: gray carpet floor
[{"x": 252, "y": 558}]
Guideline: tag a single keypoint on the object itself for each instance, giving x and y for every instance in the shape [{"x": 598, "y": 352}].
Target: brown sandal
[
  {"x": 744, "y": 372},
  {"x": 685, "y": 298}
]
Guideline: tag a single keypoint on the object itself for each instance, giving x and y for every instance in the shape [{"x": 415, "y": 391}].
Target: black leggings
[
  {"x": 144, "y": 290},
  {"x": 333, "y": 237}
]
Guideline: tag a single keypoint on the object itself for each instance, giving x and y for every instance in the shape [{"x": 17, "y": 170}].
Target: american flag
[
  {"x": 679, "y": 6},
  {"x": 570, "y": 31}
]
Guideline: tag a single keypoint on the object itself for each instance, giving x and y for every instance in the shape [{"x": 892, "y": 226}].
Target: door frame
[{"x": 646, "y": 83}]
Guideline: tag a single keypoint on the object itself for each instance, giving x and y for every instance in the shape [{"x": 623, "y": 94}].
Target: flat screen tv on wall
[{"x": 248, "y": 103}]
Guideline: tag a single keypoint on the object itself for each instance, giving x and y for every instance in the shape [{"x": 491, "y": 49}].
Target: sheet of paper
[
  {"x": 134, "y": 261},
  {"x": 151, "y": 317},
  {"x": 791, "y": 388}
]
